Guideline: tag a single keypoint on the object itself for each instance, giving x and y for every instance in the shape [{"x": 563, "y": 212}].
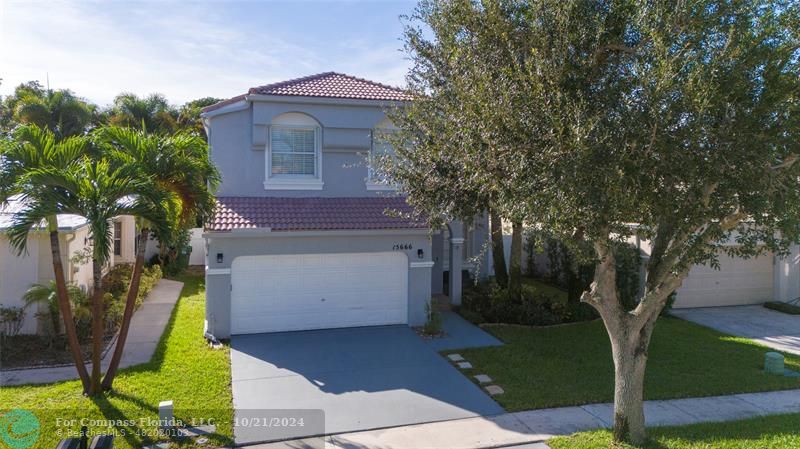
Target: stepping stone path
[
  {"x": 455, "y": 358},
  {"x": 483, "y": 378},
  {"x": 494, "y": 390},
  {"x": 465, "y": 365}
]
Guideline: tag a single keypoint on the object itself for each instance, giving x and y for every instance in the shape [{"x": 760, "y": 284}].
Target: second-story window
[
  {"x": 294, "y": 159},
  {"x": 294, "y": 151}
]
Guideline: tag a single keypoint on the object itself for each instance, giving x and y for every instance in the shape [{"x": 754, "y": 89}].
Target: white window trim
[
  {"x": 294, "y": 182},
  {"x": 370, "y": 183}
]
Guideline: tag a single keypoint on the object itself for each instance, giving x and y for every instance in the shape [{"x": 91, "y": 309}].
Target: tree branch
[{"x": 787, "y": 163}]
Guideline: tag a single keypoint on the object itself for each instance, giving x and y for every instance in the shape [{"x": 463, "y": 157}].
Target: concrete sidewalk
[
  {"x": 530, "y": 429},
  {"x": 147, "y": 325}
]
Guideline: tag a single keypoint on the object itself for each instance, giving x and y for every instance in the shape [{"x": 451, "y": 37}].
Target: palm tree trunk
[
  {"x": 515, "y": 264},
  {"x": 498, "y": 250},
  {"x": 97, "y": 327},
  {"x": 65, "y": 308},
  {"x": 130, "y": 304}
]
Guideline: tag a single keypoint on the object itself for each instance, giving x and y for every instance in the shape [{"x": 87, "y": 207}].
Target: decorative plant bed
[{"x": 783, "y": 307}]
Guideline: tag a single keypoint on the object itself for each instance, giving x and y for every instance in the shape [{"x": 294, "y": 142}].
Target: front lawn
[
  {"x": 772, "y": 432},
  {"x": 184, "y": 370},
  {"x": 571, "y": 364}
]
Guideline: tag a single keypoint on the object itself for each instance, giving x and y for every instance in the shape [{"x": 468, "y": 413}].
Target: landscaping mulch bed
[{"x": 23, "y": 351}]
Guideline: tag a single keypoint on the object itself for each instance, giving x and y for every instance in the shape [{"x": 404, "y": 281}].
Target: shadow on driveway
[{"x": 361, "y": 378}]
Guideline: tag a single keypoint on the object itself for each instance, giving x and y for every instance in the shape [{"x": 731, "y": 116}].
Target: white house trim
[
  {"x": 421, "y": 264},
  {"x": 217, "y": 271},
  {"x": 227, "y": 109}
]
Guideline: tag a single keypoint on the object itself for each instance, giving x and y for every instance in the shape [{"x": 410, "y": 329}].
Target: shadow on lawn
[{"x": 135, "y": 436}]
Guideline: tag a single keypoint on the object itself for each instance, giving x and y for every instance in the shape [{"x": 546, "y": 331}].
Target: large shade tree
[{"x": 679, "y": 117}]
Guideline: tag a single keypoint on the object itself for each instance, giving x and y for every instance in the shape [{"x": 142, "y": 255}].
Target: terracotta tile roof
[
  {"x": 327, "y": 85},
  {"x": 312, "y": 214}
]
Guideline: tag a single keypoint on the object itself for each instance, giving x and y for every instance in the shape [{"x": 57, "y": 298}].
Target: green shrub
[
  {"x": 433, "y": 326},
  {"x": 488, "y": 303},
  {"x": 791, "y": 309},
  {"x": 571, "y": 266},
  {"x": 116, "y": 283}
]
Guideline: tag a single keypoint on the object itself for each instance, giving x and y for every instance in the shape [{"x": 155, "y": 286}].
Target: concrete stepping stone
[
  {"x": 465, "y": 365},
  {"x": 483, "y": 378},
  {"x": 494, "y": 390},
  {"x": 455, "y": 358}
]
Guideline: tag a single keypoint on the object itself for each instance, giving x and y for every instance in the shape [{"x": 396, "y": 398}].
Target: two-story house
[{"x": 304, "y": 237}]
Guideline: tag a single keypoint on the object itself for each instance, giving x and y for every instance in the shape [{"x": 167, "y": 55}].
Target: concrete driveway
[
  {"x": 768, "y": 327},
  {"x": 360, "y": 378}
]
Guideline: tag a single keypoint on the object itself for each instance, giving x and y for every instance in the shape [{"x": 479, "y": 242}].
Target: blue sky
[{"x": 187, "y": 50}]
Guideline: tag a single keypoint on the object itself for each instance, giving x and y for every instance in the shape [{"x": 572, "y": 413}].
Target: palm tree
[
  {"x": 183, "y": 179},
  {"x": 98, "y": 191},
  {"x": 189, "y": 115},
  {"x": 60, "y": 111},
  {"x": 47, "y": 295},
  {"x": 152, "y": 113},
  {"x": 31, "y": 149}
]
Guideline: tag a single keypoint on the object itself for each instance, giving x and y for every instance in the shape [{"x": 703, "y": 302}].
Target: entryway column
[
  {"x": 787, "y": 276},
  {"x": 437, "y": 255},
  {"x": 456, "y": 259}
]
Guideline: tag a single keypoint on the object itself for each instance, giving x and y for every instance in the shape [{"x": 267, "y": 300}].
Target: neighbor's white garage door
[
  {"x": 737, "y": 282},
  {"x": 318, "y": 291}
]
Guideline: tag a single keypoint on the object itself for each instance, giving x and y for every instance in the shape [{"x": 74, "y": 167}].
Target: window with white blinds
[{"x": 294, "y": 151}]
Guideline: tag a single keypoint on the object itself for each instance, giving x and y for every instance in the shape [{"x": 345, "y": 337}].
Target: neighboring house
[
  {"x": 303, "y": 237},
  {"x": 18, "y": 273},
  {"x": 740, "y": 281}
]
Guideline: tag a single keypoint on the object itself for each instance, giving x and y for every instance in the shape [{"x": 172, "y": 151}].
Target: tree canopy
[{"x": 598, "y": 120}]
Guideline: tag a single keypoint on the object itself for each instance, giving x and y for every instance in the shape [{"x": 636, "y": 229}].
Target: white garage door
[
  {"x": 318, "y": 291},
  {"x": 737, "y": 282}
]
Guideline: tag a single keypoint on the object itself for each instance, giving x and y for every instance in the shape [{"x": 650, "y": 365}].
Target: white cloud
[{"x": 181, "y": 49}]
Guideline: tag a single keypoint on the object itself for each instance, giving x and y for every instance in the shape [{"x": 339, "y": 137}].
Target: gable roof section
[
  {"x": 313, "y": 214},
  {"x": 324, "y": 85}
]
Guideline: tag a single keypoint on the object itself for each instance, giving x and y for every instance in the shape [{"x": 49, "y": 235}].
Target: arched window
[{"x": 294, "y": 153}]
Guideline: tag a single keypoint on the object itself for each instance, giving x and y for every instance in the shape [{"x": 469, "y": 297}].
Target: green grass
[
  {"x": 536, "y": 286},
  {"x": 772, "y": 432},
  {"x": 571, "y": 364},
  {"x": 184, "y": 369}
]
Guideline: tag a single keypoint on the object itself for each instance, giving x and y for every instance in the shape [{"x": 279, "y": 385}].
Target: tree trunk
[
  {"x": 630, "y": 360},
  {"x": 97, "y": 327},
  {"x": 130, "y": 304},
  {"x": 515, "y": 264},
  {"x": 630, "y": 337},
  {"x": 498, "y": 249},
  {"x": 66, "y": 309}
]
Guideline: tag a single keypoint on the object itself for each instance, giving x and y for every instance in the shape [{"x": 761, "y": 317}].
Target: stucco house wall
[
  {"x": 218, "y": 275},
  {"x": 346, "y": 125}
]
